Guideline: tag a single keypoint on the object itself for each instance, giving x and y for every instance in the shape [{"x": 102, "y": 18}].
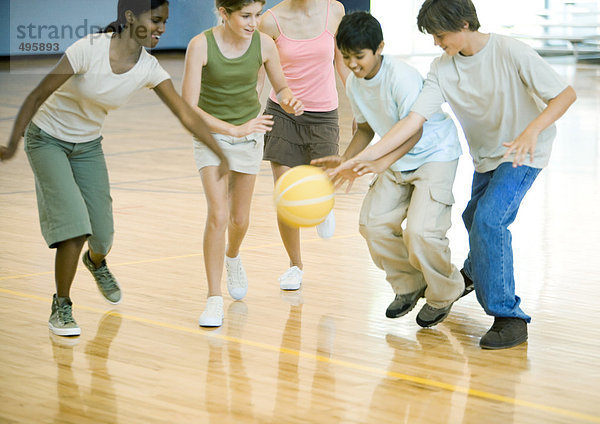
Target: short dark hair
[
  {"x": 357, "y": 31},
  {"x": 137, "y": 7},
  {"x": 437, "y": 16}
]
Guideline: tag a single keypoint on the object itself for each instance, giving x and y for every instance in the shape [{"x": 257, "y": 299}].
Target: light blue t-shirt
[{"x": 387, "y": 98}]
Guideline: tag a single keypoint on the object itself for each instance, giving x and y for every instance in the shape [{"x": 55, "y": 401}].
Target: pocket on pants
[
  {"x": 33, "y": 137},
  {"x": 442, "y": 195}
]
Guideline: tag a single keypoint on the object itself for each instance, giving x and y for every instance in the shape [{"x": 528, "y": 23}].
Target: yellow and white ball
[{"x": 303, "y": 196}]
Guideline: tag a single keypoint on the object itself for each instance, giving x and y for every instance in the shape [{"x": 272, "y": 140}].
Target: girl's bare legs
[
  {"x": 241, "y": 187},
  {"x": 289, "y": 235},
  {"x": 215, "y": 190}
]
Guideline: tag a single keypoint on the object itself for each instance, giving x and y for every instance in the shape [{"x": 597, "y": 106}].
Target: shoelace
[
  {"x": 212, "y": 308},
  {"x": 236, "y": 273},
  {"x": 291, "y": 273},
  {"x": 65, "y": 314},
  {"x": 107, "y": 279}
]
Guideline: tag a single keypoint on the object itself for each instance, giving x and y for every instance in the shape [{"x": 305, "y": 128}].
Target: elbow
[{"x": 573, "y": 94}]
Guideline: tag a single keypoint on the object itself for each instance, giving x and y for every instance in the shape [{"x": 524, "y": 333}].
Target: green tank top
[{"x": 228, "y": 90}]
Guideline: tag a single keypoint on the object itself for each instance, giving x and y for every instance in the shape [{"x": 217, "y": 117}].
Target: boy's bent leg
[
  {"x": 429, "y": 218},
  {"x": 491, "y": 242},
  {"x": 380, "y": 223}
]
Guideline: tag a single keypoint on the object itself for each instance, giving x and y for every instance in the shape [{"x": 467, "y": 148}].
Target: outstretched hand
[
  {"x": 344, "y": 173},
  {"x": 328, "y": 162},
  {"x": 521, "y": 146},
  {"x": 364, "y": 167}
]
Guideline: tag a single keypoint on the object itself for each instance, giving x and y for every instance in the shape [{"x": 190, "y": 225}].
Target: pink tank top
[{"x": 308, "y": 68}]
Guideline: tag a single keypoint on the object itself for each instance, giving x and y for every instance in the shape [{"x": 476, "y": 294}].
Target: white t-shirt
[
  {"x": 495, "y": 94},
  {"x": 77, "y": 110},
  {"x": 386, "y": 98}
]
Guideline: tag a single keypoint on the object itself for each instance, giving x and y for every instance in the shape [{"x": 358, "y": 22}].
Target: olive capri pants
[
  {"x": 418, "y": 255},
  {"x": 72, "y": 187}
]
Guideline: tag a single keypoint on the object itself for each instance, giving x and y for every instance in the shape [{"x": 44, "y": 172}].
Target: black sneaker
[
  {"x": 404, "y": 303},
  {"x": 469, "y": 287},
  {"x": 429, "y": 316},
  {"x": 505, "y": 332}
]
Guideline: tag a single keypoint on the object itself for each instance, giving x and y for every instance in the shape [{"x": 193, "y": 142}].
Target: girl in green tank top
[{"x": 220, "y": 82}]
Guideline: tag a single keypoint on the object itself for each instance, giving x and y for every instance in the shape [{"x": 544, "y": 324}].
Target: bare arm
[
  {"x": 525, "y": 143},
  {"x": 266, "y": 26},
  {"x": 338, "y": 12},
  {"x": 51, "y": 82},
  {"x": 400, "y": 133},
  {"x": 190, "y": 120},
  {"x": 383, "y": 163},
  {"x": 286, "y": 98},
  {"x": 361, "y": 139}
]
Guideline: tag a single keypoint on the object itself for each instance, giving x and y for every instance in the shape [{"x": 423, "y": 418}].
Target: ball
[{"x": 303, "y": 196}]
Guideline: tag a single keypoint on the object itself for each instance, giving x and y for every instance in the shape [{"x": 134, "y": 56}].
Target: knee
[
  {"x": 484, "y": 222},
  {"x": 414, "y": 235},
  {"x": 239, "y": 221},
  {"x": 217, "y": 220},
  {"x": 373, "y": 232}
]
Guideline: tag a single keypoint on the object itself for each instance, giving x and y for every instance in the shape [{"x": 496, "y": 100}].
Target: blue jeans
[{"x": 495, "y": 199}]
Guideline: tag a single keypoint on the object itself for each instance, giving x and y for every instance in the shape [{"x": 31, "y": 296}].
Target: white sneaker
[
  {"x": 237, "y": 281},
  {"x": 213, "y": 314},
  {"x": 326, "y": 228},
  {"x": 291, "y": 279}
]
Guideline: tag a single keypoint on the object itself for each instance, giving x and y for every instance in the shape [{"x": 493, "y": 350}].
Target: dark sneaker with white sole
[
  {"x": 61, "y": 320},
  {"x": 505, "y": 332},
  {"x": 404, "y": 303}
]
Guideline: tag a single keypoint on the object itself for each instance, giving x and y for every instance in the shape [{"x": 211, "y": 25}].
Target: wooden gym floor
[{"x": 325, "y": 354}]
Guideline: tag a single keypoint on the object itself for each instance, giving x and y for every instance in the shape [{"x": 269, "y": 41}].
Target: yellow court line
[
  {"x": 168, "y": 258},
  {"x": 346, "y": 364}
]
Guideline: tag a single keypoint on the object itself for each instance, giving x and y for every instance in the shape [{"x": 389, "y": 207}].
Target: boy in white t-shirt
[
  {"x": 416, "y": 188},
  {"x": 497, "y": 87}
]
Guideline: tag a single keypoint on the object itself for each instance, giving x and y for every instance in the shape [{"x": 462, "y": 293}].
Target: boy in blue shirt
[{"x": 415, "y": 183}]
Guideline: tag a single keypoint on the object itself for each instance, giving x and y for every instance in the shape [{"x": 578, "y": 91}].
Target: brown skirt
[{"x": 296, "y": 140}]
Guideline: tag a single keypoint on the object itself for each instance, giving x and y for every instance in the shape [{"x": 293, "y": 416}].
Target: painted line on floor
[{"x": 339, "y": 362}]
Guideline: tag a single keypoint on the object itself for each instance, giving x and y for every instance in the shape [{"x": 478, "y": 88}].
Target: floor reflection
[
  {"x": 100, "y": 403},
  {"x": 438, "y": 355},
  {"x": 228, "y": 387}
]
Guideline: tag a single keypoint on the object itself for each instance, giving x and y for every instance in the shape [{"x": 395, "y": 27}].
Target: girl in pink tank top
[
  {"x": 308, "y": 67},
  {"x": 304, "y": 32}
]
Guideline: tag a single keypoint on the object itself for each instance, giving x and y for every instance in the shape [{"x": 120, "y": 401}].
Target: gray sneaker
[
  {"x": 106, "y": 282},
  {"x": 61, "y": 320},
  {"x": 404, "y": 303},
  {"x": 429, "y": 316}
]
